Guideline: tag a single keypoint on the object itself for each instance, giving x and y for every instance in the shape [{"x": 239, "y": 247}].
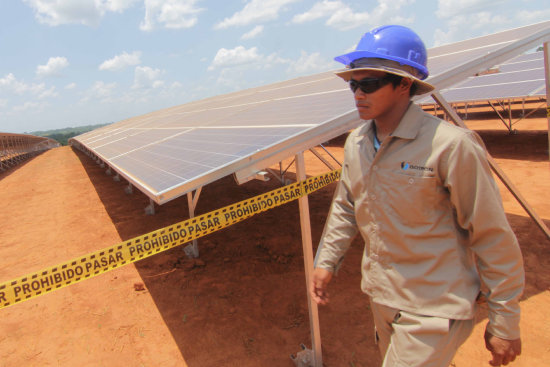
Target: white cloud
[
  {"x": 86, "y": 12},
  {"x": 319, "y": 10},
  {"x": 121, "y": 61},
  {"x": 452, "y": 8},
  {"x": 531, "y": 17},
  {"x": 100, "y": 91},
  {"x": 253, "y": 33},
  {"x": 392, "y": 12},
  {"x": 483, "y": 17},
  {"x": 234, "y": 64},
  {"x": 340, "y": 16},
  {"x": 175, "y": 85},
  {"x": 10, "y": 84},
  {"x": 146, "y": 77},
  {"x": 36, "y": 89},
  {"x": 255, "y": 11},
  {"x": 345, "y": 19},
  {"x": 70, "y": 86},
  {"x": 49, "y": 93},
  {"x": 472, "y": 18},
  {"x": 117, "y": 5},
  {"x": 235, "y": 57},
  {"x": 157, "y": 93},
  {"x": 53, "y": 67},
  {"x": 175, "y": 14},
  {"x": 310, "y": 63},
  {"x": 29, "y": 106}
]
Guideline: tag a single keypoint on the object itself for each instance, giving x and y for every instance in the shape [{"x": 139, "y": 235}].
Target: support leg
[
  {"x": 150, "y": 209},
  {"x": 303, "y": 203},
  {"x": 192, "y": 250}
]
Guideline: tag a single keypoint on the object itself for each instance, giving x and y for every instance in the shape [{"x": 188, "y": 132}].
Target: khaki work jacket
[{"x": 431, "y": 217}]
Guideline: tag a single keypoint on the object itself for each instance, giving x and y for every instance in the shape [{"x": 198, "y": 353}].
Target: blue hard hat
[{"x": 391, "y": 42}]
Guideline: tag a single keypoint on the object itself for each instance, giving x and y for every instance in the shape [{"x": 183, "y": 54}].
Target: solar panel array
[
  {"x": 171, "y": 152},
  {"x": 166, "y": 149},
  {"x": 443, "y": 58},
  {"x": 521, "y": 77}
]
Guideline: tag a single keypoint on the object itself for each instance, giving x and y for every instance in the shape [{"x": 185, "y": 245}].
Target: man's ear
[{"x": 406, "y": 84}]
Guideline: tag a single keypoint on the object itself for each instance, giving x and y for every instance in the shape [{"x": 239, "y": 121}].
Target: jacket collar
[{"x": 408, "y": 127}]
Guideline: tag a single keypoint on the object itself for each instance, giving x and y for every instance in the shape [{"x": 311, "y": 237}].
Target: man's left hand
[{"x": 503, "y": 351}]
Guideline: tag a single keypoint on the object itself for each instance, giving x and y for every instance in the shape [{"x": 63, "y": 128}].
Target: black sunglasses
[{"x": 369, "y": 85}]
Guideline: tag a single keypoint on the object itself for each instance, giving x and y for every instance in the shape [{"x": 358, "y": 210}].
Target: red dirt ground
[{"x": 244, "y": 303}]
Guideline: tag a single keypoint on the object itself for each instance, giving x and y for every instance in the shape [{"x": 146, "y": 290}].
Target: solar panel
[
  {"x": 451, "y": 64},
  {"x": 174, "y": 151},
  {"x": 520, "y": 77},
  {"x": 166, "y": 152},
  {"x": 441, "y": 58}
]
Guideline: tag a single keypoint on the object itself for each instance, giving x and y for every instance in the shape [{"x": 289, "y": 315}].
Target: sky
[{"x": 69, "y": 63}]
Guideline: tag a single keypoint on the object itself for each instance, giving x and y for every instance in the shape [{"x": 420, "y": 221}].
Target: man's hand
[
  {"x": 503, "y": 351},
  {"x": 318, "y": 285}
]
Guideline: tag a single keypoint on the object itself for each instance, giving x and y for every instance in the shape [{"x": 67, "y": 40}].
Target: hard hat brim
[{"x": 422, "y": 87}]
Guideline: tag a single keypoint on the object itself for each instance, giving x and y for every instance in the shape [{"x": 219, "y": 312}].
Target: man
[{"x": 420, "y": 192}]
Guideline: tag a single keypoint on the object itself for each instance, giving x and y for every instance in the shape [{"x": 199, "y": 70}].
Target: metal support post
[
  {"x": 547, "y": 78},
  {"x": 192, "y": 250},
  {"x": 150, "y": 209},
  {"x": 508, "y": 126},
  {"x": 496, "y": 169},
  {"x": 129, "y": 189},
  {"x": 321, "y": 158},
  {"x": 314, "y": 357},
  {"x": 330, "y": 154},
  {"x": 510, "y": 114}
]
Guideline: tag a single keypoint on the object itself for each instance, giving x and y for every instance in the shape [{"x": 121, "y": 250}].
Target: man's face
[{"x": 376, "y": 104}]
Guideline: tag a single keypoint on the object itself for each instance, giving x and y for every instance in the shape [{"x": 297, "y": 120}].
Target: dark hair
[{"x": 396, "y": 80}]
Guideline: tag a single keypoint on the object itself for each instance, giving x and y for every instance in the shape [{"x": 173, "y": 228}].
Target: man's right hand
[
  {"x": 503, "y": 351},
  {"x": 318, "y": 285}
]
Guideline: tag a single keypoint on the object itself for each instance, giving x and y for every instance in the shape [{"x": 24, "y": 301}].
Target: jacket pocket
[{"x": 412, "y": 198}]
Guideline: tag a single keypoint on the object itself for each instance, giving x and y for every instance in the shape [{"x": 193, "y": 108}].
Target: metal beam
[
  {"x": 546, "y": 50},
  {"x": 321, "y": 158},
  {"x": 494, "y": 166},
  {"x": 192, "y": 250},
  {"x": 305, "y": 225}
]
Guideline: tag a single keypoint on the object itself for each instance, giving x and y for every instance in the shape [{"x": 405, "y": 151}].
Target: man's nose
[{"x": 359, "y": 94}]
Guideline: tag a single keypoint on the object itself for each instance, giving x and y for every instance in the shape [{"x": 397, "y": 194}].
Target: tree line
[{"x": 63, "y": 135}]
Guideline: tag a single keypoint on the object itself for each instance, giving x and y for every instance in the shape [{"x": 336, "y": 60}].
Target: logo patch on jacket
[{"x": 407, "y": 165}]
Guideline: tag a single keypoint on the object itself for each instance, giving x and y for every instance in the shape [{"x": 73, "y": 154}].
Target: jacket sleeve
[
  {"x": 340, "y": 227},
  {"x": 479, "y": 211}
]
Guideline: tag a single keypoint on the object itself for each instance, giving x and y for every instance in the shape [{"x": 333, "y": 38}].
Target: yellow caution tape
[
  {"x": 548, "y": 111},
  {"x": 141, "y": 247}
]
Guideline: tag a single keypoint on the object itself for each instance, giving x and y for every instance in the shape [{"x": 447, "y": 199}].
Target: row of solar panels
[
  {"x": 167, "y": 148},
  {"x": 174, "y": 151},
  {"x": 520, "y": 77}
]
